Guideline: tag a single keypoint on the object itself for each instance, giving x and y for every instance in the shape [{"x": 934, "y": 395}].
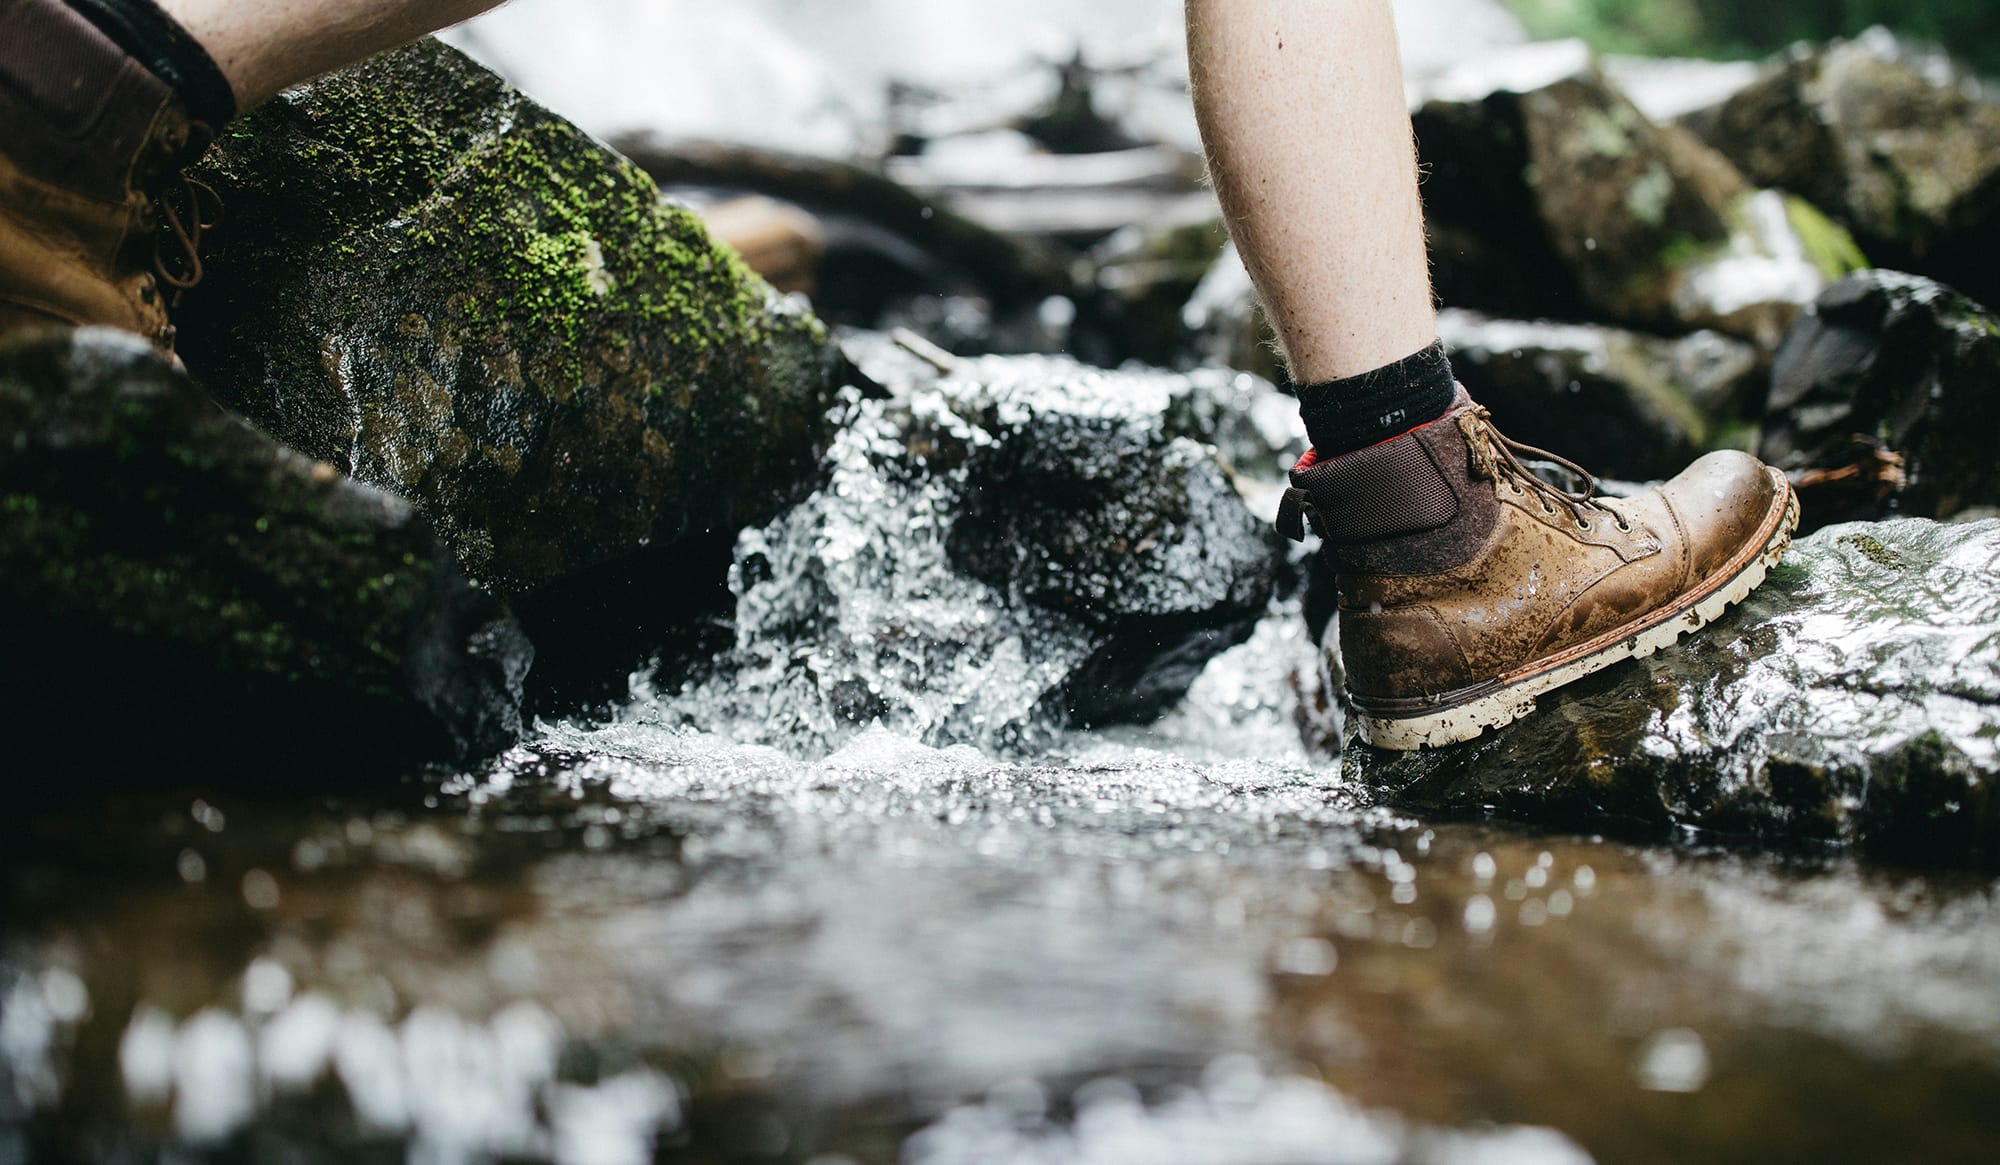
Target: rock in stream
[
  {"x": 436, "y": 285},
  {"x": 1021, "y": 543},
  {"x": 1885, "y": 399},
  {"x": 219, "y": 602},
  {"x": 1853, "y": 701}
]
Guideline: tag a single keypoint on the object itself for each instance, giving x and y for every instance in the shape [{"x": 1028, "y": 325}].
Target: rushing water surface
[{"x": 1189, "y": 943}]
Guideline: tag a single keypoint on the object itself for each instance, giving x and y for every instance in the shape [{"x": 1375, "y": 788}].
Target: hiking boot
[
  {"x": 97, "y": 226},
  {"x": 1469, "y": 585}
]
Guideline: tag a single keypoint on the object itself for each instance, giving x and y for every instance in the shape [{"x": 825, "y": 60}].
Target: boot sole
[{"x": 1456, "y": 717}]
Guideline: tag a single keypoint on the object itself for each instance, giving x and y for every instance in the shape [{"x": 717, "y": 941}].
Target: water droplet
[{"x": 1674, "y": 1060}]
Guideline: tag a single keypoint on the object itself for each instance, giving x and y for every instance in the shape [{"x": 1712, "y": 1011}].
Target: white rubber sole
[{"x": 1473, "y": 717}]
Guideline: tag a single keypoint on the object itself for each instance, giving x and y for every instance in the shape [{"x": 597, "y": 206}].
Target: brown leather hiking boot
[
  {"x": 1469, "y": 585},
  {"x": 94, "y": 216}
]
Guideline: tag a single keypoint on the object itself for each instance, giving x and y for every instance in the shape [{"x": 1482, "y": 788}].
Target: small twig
[{"x": 925, "y": 351}]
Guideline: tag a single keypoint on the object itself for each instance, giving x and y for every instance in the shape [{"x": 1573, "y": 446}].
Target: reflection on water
[{"x": 633, "y": 939}]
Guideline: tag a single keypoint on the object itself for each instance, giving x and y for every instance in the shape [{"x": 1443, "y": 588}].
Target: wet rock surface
[
  {"x": 1894, "y": 140},
  {"x": 1616, "y": 402},
  {"x": 444, "y": 289},
  {"x": 1883, "y": 400},
  {"x": 156, "y": 551},
  {"x": 1851, "y": 702},
  {"x": 999, "y": 549}
]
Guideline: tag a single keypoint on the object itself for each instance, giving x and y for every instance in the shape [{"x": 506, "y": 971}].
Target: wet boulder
[
  {"x": 436, "y": 285},
  {"x": 1550, "y": 194},
  {"x": 1885, "y": 399},
  {"x": 187, "y": 598},
  {"x": 1621, "y": 404},
  {"x": 1852, "y": 702},
  {"x": 1894, "y": 141},
  {"x": 1002, "y": 548}
]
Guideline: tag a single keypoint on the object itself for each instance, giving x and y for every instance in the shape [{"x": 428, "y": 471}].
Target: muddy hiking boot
[
  {"x": 97, "y": 223},
  {"x": 1469, "y": 585}
]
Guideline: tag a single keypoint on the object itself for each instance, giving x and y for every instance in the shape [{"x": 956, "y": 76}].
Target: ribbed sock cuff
[
  {"x": 1344, "y": 415},
  {"x": 157, "y": 41}
]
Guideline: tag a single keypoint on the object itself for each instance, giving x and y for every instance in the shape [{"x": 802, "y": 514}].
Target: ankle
[
  {"x": 150, "y": 35},
  {"x": 1353, "y": 413}
]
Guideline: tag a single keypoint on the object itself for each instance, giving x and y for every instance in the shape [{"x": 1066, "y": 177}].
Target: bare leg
[
  {"x": 263, "y": 46},
  {"x": 1302, "y": 111}
]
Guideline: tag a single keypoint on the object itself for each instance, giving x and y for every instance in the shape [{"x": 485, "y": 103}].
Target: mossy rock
[
  {"x": 445, "y": 290},
  {"x": 1549, "y": 193},
  {"x": 1853, "y": 702},
  {"x": 220, "y": 603},
  {"x": 1895, "y": 142}
]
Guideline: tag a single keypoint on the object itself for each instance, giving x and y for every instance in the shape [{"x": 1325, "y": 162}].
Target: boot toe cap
[{"x": 1723, "y": 501}]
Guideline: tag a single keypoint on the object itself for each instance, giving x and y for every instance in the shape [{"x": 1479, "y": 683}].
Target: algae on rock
[
  {"x": 240, "y": 606},
  {"x": 447, "y": 291}
]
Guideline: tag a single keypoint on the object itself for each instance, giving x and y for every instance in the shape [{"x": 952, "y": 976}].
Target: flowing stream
[{"x": 1193, "y": 942}]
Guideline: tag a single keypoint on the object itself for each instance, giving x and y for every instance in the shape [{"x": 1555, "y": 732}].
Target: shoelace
[
  {"x": 182, "y": 221},
  {"x": 1496, "y": 456}
]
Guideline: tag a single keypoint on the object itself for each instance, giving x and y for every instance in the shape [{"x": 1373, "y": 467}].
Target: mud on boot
[
  {"x": 97, "y": 224},
  {"x": 1469, "y": 585}
]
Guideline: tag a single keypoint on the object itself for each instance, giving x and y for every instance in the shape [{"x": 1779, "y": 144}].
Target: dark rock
[
  {"x": 1619, "y": 403},
  {"x": 446, "y": 290},
  {"x": 1550, "y": 194},
  {"x": 1016, "y": 545},
  {"x": 187, "y": 593},
  {"x": 1226, "y": 324},
  {"x": 1896, "y": 142},
  {"x": 1885, "y": 399},
  {"x": 1139, "y": 282},
  {"x": 1853, "y": 701}
]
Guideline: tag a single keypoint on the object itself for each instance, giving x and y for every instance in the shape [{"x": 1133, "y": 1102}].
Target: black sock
[
  {"x": 158, "y": 42},
  {"x": 1344, "y": 415}
]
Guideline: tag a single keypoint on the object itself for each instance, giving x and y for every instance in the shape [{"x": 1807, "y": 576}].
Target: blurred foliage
[{"x": 1969, "y": 29}]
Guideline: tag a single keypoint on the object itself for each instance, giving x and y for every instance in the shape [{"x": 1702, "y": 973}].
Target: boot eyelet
[{"x": 1585, "y": 527}]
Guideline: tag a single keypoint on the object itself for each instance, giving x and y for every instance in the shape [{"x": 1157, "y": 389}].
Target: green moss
[
  {"x": 1873, "y": 550},
  {"x": 1685, "y": 250},
  {"x": 1827, "y": 244}
]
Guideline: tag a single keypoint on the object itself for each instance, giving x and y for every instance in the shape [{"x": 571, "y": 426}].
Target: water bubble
[
  {"x": 267, "y": 986},
  {"x": 1560, "y": 904},
  {"x": 207, "y": 816},
  {"x": 1479, "y": 914},
  {"x": 65, "y": 996},
  {"x": 1484, "y": 868},
  {"x": 260, "y": 890},
  {"x": 1674, "y": 1060},
  {"x": 146, "y": 1055},
  {"x": 1306, "y": 956},
  {"x": 1536, "y": 878},
  {"x": 191, "y": 866},
  {"x": 1585, "y": 881}
]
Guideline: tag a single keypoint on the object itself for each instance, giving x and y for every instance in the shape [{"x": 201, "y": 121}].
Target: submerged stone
[
  {"x": 1885, "y": 399},
  {"x": 440, "y": 287},
  {"x": 1852, "y": 702},
  {"x": 1014, "y": 545},
  {"x": 221, "y": 603}
]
